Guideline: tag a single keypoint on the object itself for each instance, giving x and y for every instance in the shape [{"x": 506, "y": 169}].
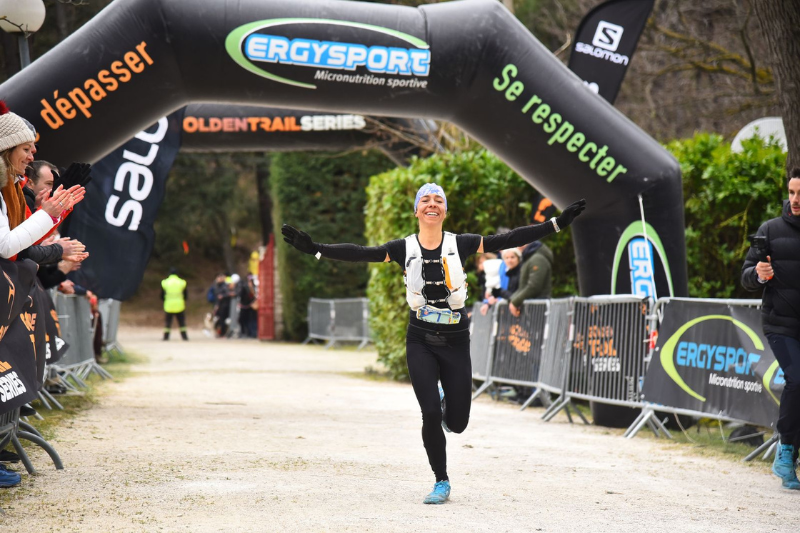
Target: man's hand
[
  {"x": 68, "y": 266},
  {"x": 764, "y": 270},
  {"x": 299, "y": 239},
  {"x": 514, "y": 309},
  {"x": 67, "y": 287},
  {"x": 43, "y": 195}
]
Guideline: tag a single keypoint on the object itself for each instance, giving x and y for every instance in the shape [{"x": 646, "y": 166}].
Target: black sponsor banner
[
  {"x": 604, "y": 44},
  {"x": 18, "y": 363},
  {"x": 713, "y": 358},
  {"x": 56, "y": 346},
  {"x": 115, "y": 220}
]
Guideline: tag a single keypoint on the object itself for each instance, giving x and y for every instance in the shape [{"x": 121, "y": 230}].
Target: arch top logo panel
[{"x": 303, "y": 51}]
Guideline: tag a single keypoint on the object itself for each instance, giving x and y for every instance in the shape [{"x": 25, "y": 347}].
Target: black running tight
[{"x": 433, "y": 356}]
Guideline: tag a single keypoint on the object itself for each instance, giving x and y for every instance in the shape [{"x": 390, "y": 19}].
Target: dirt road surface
[{"x": 215, "y": 435}]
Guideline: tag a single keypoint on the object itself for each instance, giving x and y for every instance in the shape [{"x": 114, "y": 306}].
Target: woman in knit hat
[
  {"x": 17, "y": 233},
  {"x": 437, "y": 338}
]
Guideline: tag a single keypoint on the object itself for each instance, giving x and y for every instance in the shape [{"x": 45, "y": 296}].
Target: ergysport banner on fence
[
  {"x": 116, "y": 219},
  {"x": 604, "y": 44},
  {"x": 713, "y": 358}
]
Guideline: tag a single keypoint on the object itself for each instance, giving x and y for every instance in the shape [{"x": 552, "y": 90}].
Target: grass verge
[{"x": 119, "y": 366}]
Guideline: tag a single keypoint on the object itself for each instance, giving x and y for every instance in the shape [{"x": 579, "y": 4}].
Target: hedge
[
  {"x": 727, "y": 196},
  {"x": 324, "y": 195}
]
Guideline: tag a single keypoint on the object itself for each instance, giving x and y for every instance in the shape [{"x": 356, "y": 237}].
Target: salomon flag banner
[
  {"x": 713, "y": 358},
  {"x": 18, "y": 379},
  {"x": 604, "y": 44},
  {"x": 115, "y": 220}
]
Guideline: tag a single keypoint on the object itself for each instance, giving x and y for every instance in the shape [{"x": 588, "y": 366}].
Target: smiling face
[
  {"x": 21, "y": 156},
  {"x": 511, "y": 259},
  {"x": 431, "y": 210},
  {"x": 794, "y": 196}
]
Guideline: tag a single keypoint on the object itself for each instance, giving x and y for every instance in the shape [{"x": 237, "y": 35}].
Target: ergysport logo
[
  {"x": 737, "y": 362},
  {"x": 644, "y": 246},
  {"x": 251, "y": 48}
]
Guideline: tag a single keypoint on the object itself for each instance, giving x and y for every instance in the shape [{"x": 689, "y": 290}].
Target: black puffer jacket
[
  {"x": 513, "y": 283},
  {"x": 780, "y": 305}
]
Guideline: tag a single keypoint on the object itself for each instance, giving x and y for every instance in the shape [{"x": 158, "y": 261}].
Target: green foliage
[
  {"x": 322, "y": 194},
  {"x": 208, "y": 195},
  {"x": 483, "y": 194},
  {"x": 727, "y": 196}
]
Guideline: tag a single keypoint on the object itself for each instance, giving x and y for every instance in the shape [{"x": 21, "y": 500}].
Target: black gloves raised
[
  {"x": 75, "y": 174},
  {"x": 299, "y": 239},
  {"x": 569, "y": 213}
]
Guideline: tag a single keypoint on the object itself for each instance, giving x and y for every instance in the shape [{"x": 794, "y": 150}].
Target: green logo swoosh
[
  {"x": 668, "y": 361},
  {"x": 233, "y": 43},
  {"x": 768, "y": 379},
  {"x": 636, "y": 230}
]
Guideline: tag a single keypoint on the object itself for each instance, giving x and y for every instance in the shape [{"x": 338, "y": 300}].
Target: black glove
[
  {"x": 75, "y": 174},
  {"x": 299, "y": 239},
  {"x": 568, "y": 215}
]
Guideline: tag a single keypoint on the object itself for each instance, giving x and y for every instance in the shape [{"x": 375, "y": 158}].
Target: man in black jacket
[{"x": 779, "y": 275}]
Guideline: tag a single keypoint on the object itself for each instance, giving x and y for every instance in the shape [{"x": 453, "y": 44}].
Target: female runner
[{"x": 437, "y": 339}]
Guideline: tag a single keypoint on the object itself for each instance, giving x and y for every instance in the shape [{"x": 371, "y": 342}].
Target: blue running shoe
[
  {"x": 441, "y": 399},
  {"x": 784, "y": 467},
  {"x": 9, "y": 478},
  {"x": 440, "y": 494}
]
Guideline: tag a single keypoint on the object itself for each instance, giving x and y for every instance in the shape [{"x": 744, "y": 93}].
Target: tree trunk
[
  {"x": 780, "y": 25},
  {"x": 10, "y": 53},
  {"x": 225, "y": 242},
  {"x": 509, "y": 4},
  {"x": 62, "y": 21}
]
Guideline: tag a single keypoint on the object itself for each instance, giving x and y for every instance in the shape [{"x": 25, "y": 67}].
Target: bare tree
[{"x": 780, "y": 26}]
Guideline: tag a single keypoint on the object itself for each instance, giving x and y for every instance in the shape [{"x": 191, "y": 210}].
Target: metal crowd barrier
[
  {"x": 518, "y": 344},
  {"x": 556, "y": 344},
  {"x": 515, "y": 350},
  {"x": 593, "y": 349},
  {"x": 110, "y": 311},
  {"x": 234, "y": 328},
  {"x": 12, "y": 429},
  {"x": 483, "y": 329},
  {"x": 77, "y": 329},
  {"x": 336, "y": 320},
  {"x": 649, "y": 417},
  {"x": 607, "y": 360}
]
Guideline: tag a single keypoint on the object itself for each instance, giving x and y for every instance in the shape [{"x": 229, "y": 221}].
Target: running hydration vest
[{"x": 455, "y": 279}]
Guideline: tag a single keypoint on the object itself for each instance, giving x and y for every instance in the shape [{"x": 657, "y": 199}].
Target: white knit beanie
[{"x": 13, "y": 129}]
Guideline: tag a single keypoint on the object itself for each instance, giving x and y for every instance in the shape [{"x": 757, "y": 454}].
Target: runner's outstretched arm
[
  {"x": 353, "y": 253},
  {"x": 527, "y": 234}
]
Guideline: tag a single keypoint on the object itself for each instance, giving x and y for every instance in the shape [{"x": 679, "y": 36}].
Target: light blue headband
[{"x": 429, "y": 188}]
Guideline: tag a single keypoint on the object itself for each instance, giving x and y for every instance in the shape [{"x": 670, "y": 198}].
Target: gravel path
[{"x": 236, "y": 436}]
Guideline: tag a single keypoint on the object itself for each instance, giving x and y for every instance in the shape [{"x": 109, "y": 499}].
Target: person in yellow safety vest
[
  {"x": 173, "y": 292},
  {"x": 252, "y": 266}
]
